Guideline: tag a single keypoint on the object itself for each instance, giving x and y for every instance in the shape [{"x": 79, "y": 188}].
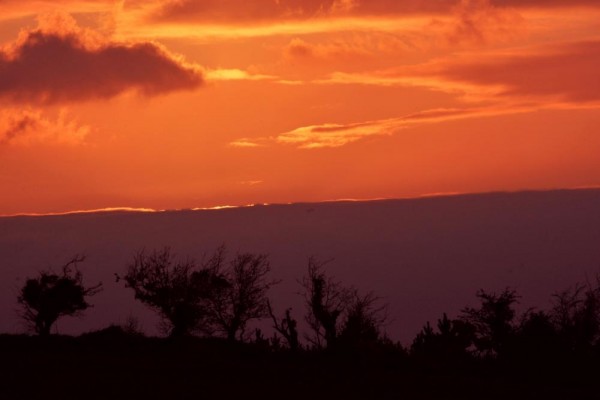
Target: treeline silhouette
[{"x": 206, "y": 308}]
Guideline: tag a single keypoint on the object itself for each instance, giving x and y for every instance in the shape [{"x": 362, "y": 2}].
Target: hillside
[{"x": 424, "y": 256}]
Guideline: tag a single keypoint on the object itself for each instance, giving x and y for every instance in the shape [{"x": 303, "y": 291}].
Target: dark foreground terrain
[{"x": 112, "y": 364}]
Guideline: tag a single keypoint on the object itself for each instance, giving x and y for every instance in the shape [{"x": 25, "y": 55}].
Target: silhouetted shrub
[
  {"x": 180, "y": 291},
  {"x": 536, "y": 341},
  {"x": 50, "y": 296},
  {"x": 493, "y": 321},
  {"x": 449, "y": 344},
  {"x": 242, "y": 296},
  {"x": 364, "y": 316},
  {"x": 576, "y": 317},
  {"x": 286, "y": 327},
  {"x": 326, "y": 300},
  {"x": 335, "y": 311}
]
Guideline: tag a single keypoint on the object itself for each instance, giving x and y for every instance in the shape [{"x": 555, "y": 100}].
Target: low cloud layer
[{"x": 60, "y": 62}]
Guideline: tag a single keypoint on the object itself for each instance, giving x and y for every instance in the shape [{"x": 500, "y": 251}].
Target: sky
[{"x": 175, "y": 104}]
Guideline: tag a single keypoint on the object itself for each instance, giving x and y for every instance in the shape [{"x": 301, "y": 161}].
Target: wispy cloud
[
  {"x": 236, "y": 75},
  {"x": 337, "y": 135},
  {"x": 557, "y": 73},
  {"x": 22, "y": 127},
  {"x": 289, "y": 10}
]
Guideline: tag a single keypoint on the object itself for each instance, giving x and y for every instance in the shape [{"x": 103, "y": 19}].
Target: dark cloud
[
  {"x": 17, "y": 127},
  {"x": 58, "y": 65},
  {"x": 569, "y": 71}
]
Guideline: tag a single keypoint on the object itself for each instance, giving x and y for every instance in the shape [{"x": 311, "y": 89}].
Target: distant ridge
[{"x": 442, "y": 195}]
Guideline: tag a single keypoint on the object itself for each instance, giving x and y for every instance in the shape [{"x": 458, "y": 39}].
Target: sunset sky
[{"x": 183, "y": 104}]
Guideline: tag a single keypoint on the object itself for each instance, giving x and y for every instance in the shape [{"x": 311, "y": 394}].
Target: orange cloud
[
  {"x": 567, "y": 72},
  {"x": 59, "y": 62},
  {"x": 236, "y": 75},
  {"x": 248, "y": 10},
  {"x": 557, "y": 73},
  {"x": 299, "y": 48},
  {"x": 337, "y": 135},
  {"x": 29, "y": 127},
  {"x": 262, "y": 11}
]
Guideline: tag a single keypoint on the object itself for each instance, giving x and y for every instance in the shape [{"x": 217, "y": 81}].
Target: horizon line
[{"x": 128, "y": 209}]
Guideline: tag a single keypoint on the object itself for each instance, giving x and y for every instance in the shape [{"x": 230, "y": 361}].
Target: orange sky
[{"x": 183, "y": 103}]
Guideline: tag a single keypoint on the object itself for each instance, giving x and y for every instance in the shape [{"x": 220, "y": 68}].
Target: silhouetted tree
[
  {"x": 338, "y": 314},
  {"x": 449, "y": 344},
  {"x": 493, "y": 321},
  {"x": 287, "y": 327},
  {"x": 364, "y": 316},
  {"x": 326, "y": 300},
  {"x": 243, "y": 296},
  {"x": 180, "y": 291},
  {"x": 50, "y": 296},
  {"x": 576, "y": 316},
  {"x": 536, "y": 341}
]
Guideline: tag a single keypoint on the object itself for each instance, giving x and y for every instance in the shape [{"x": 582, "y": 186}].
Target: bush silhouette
[
  {"x": 178, "y": 290},
  {"x": 207, "y": 299},
  {"x": 493, "y": 321},
  {"x": 241, "y": 296},
  {"x": 576, "y": 317},
  {"x": 50, "y": 296},
  {"x": 364, "y": 316},
  {"x": 336, "y": 311},
  {"x": 450, "y": 344},
  {"x": 286, "y": 327},
  {"x": 326, "y": 301}
]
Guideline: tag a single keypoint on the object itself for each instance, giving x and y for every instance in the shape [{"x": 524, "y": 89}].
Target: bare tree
[
  {"x": 50, "y": 296},
  {"x": 364, "y": 317},
  {"x": 287, "y": 327},
  {"x": 180, "y": 291},
  {"x": 243, "y": 297},
  {"x": 339, "y": 314},
  {"x": 576, "y": 316},
  {"x": 326, "y": 301}
]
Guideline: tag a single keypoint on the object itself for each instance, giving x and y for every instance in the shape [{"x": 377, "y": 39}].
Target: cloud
[
  {"x": 247, "y": 143},
  {"x": 22, "y": 127},
  {"x": 236, "y": 75},
  {"x": 557, "y": 73},
  {"x": 482, "y": 21},
  {"x": 60, "y": 62},
  {"x": 298, "y": 48},
  {"x": 566, "y": 72},
  {"x": 337, "y": 135},
  {"x": 247, "y": 10},
  {"x": 260, "y": 11}
]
